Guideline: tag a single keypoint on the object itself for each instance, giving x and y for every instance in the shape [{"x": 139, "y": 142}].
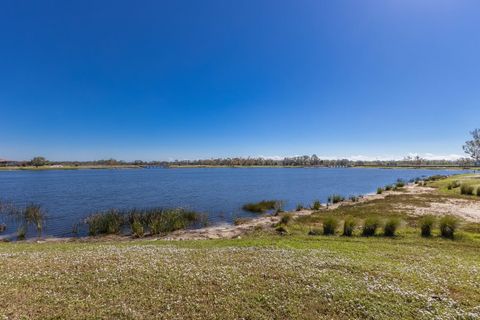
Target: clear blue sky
[{"x": 199, "y": 79}]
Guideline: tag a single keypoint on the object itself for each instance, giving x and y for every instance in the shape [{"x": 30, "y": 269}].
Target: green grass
[
  {"x": 260, "y": 276},
  {"x": 452, "y": 185}
]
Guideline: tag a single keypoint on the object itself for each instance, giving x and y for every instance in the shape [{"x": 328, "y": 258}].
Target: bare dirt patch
[{"x": 466, "y": 209}]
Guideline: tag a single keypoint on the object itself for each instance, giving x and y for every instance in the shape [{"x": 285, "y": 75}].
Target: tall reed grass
[{"x": 155, "y": 220}]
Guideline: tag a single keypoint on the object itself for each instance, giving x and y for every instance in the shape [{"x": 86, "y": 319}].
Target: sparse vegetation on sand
[
  {"x": 317, "y": 205},
  {"x": 335, "y": 198}
]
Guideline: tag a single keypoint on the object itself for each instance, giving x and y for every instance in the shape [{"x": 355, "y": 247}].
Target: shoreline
[
  {"x": 449, "y": 204},
  {"x": 231, "y": 231}
]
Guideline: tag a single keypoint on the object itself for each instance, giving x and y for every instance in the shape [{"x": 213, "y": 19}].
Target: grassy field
[{"x": 262, "y": 275}]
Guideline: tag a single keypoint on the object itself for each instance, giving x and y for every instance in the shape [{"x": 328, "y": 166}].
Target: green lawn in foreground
[{"x": 261, "y": 276}]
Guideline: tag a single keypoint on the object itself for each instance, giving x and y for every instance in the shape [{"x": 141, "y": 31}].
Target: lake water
[{"x": 69, "y": 196}]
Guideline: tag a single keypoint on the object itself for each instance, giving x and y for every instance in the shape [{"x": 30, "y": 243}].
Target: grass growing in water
[
  {"x": 400, "y": 183},
  {"x": 108, "y": 222},
  {"x": 353, "y": 198},
  {"x": 263, "y": 206},
  {"x": 137, "y": 229},
  {"x": 156, "y": 220},
  {"x": 31, "y": 215},
  {"x": 169, "y": 220},
  {"x": 316, "y": 205},
  {"x": 335, "y": 198}
]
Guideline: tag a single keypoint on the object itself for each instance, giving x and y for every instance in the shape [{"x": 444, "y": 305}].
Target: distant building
[{"x": 6, "y": 163}]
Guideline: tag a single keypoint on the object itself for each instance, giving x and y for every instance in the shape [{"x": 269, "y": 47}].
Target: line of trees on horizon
[
  {"x": 471, "y": 147},
  {"x": 297, "y": 161}
]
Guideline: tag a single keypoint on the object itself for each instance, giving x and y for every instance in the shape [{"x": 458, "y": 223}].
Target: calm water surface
[{"x": 69, "y": 196}]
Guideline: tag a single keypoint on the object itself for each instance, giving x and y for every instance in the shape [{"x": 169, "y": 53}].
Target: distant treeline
[
  {"x": 299, "y": 161},
  {"x": 315, "y": 161}
]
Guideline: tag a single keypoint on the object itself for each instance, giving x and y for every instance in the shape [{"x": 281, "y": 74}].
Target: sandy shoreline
[{"x": 227, "y": 231}]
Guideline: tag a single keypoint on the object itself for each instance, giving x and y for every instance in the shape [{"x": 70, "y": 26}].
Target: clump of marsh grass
[
  {"x": 316, "y": 205},
  {"x": 263, "y": 206},
  {"x": 330, "y": 225},
  {"x": 391, "y": 227},
  {"x": 436, "y": 177},
  {"x": 335, "y": 198},
  {"x": 426, "y": 225},
  {"x": 137, "y": 229},
  {"x": 169, "y": 220},
  {"x": 107, "y": 222},
  {"x": 400, "y": 183},
  {"x": 388, "y": 187},
  {"x": 353, "y": 198},
  {"x": 299, "y": 207},
  {"x": 453, "y": 185},
  {"x": 285, "y": 218},
  {"x": 349, "y": 226},
  {"x": 370, "y": 226},
  {"x": 21, "y": 232},
  {"x": 35, "y": 215},
  {"x": 31, "y": 215},
  {"x": 379, "y": 190},
  {"x": 448, "y": 226},
  {"x": 466, "y": 190},
  {"x": 478, "y": 191}
]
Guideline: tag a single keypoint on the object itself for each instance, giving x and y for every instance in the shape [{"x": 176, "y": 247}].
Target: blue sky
[{"x": 199, "y": 79}]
